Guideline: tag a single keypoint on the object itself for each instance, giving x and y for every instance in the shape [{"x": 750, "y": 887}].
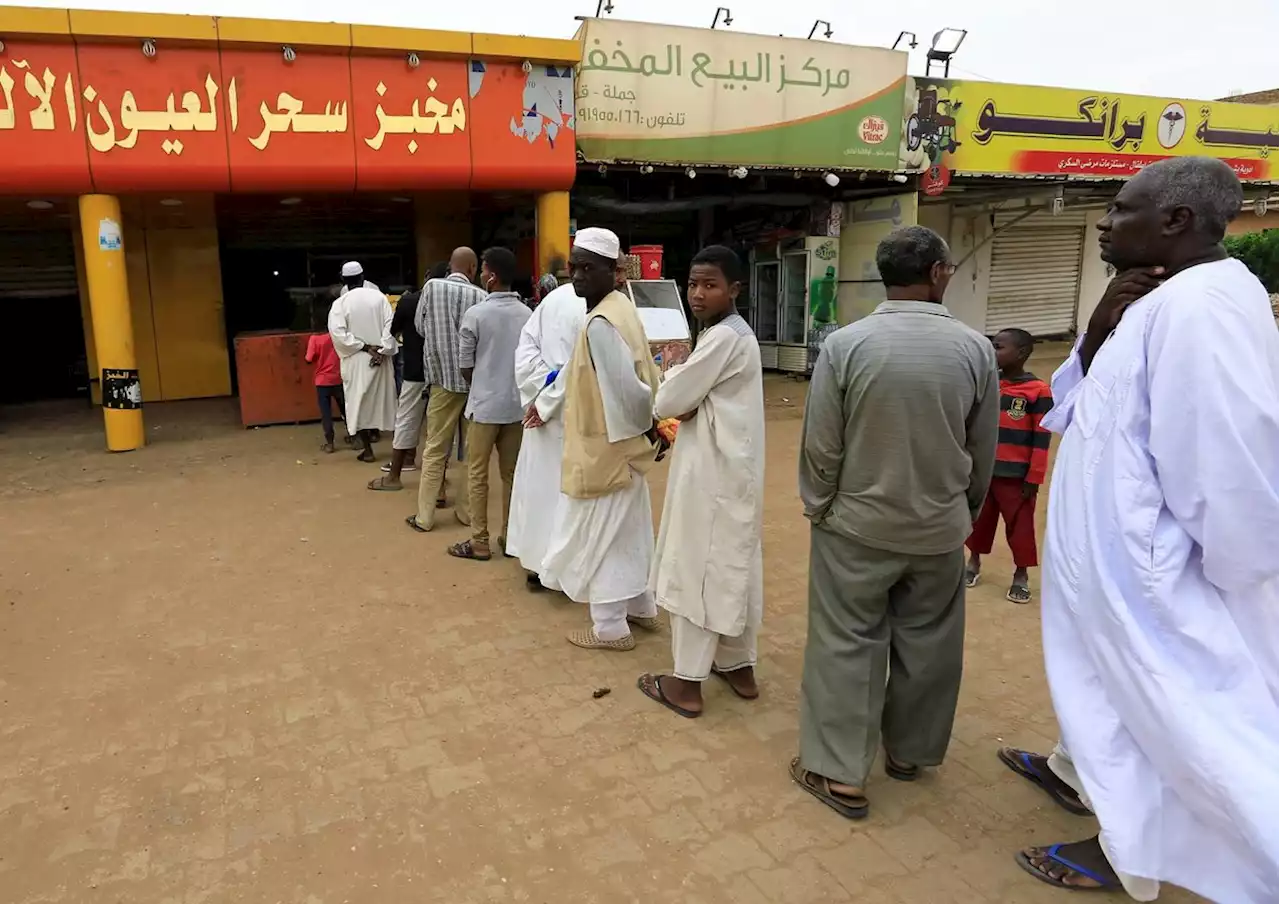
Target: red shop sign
[
  {"x": 412, "y": 125},
  {"x": 522, "y": 135},
  {"x": 41, "y": 135},
  {"x": 289, "y": 124},
  {"x": 154, "y": 123}
]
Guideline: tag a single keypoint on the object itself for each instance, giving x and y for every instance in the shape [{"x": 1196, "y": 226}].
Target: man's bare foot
[
  {"x": 684, "y": 694},
  {"x": 327, "y": 448},
  {"x": 741, "y": 681},
  {"x": 1080, "y": 865}
]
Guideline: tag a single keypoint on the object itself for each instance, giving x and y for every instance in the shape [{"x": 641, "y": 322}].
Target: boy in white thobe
[
  {"x": 1161, "y": 576},
  {"x": 708, "y": 566},
  {"x": 546, "y": 342},
  {"x": 360, "y": 324}
]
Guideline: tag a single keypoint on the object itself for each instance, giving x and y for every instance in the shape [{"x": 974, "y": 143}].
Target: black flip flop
[
  {"x": 658, "y": 696},
  {"x": 900, "y": 772},
  {"x": 1105, "y": 883},
  {"x": 1020, "y": 762},
  {"x": 412, "y": 521},
  {"x": 724, "y": 676},
  {"x": 823, "y": 792}
]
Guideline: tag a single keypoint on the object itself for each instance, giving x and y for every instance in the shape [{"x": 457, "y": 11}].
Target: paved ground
[{"x": 230, "y": 673}]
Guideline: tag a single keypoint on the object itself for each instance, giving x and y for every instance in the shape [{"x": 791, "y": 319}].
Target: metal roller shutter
[
  {"x": 37, "y": 264},
  {"x": 1035, "y": 278}
]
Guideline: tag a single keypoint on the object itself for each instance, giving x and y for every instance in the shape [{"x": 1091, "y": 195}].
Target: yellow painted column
[
  {"x": 552, "y": 228},
  {"x": 108, "y": 281}
]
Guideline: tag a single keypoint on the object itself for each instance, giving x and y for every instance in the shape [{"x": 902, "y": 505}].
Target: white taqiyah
[
  {"x": 352, "y": 268},
  {"x": 598, "y": 241}
]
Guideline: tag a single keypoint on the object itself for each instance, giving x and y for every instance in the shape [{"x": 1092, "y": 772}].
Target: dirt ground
[{"x": 228, "y": 672}]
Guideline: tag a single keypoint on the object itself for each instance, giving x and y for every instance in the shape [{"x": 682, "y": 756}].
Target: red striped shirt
[{"x": 1023, "y": 449}]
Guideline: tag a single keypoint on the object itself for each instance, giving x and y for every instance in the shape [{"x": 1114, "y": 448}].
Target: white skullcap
[
  {"x": 352, "y": 268},
  {"x": 598, "y": 241}
]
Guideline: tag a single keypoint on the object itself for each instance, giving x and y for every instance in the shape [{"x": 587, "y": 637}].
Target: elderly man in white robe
[
  {"x": 360, "y": 325},
  {"x": 601, "y": 543},
  {"x": 708, "y": 568},
  {"x": 546, "y": 343},
  {"x": 1160, "y": 567}
]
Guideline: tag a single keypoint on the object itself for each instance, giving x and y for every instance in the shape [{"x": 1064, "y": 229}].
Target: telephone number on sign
[
  {"x": 631, "y": 118},
  {"x": 595, "y": 114}
]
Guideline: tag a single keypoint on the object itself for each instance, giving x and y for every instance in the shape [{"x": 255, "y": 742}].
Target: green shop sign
[{"x": 659, "y": 94}]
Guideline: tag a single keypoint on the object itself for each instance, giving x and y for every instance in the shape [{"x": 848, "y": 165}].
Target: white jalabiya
[
  {"x": 708, "y": 567},
  {"x": 363, "y": 317},
  {"x": 1160, "y": 586},
  {"x": 546, "y": 342},
  {"x": 601, "y": 549},
  {"x": 367, "y": 285}
]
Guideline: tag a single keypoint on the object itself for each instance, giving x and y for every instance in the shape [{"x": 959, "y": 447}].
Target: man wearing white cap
[
  {"x": 360, "y": 324},
  {"x": 601, "y": 542},
  {"x": 546, "y": 343}
]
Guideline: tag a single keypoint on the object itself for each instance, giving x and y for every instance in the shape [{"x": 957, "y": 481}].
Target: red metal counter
[{"x": 276, "y": 385}]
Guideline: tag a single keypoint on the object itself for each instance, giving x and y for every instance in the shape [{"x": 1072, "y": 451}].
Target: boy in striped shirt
[{"x": 1022, "y": 459}]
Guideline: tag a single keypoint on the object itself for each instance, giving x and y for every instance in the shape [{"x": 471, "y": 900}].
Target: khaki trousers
[
  {"x": 482, "y": 439},
  {"x": 444, "y": 413}
]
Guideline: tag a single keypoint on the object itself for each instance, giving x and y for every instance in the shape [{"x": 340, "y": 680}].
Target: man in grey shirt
[
  {"x": 487, "y": 339},
  {"x": 899, "y": 443}
]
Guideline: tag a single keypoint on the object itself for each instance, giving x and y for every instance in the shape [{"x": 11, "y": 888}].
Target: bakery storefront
[{"x": 173, "y": 182}]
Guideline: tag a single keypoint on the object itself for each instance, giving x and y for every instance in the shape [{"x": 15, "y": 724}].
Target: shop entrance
[
  {"x": 40, "y": 298},
  {"x": 281, "y": 258}
]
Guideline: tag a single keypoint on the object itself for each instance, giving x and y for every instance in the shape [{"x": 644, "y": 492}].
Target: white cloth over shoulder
[
  {"x": 708, "y": 566},
  {"x": 601, "y": 549},
  {"x": 546, "y": 342},
  {"x": 363, "y": 317},
  {"x": 1161, "y": 580}
]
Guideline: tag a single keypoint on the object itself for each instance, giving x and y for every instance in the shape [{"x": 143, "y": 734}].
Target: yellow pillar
[
  {"x": 112, "y": 321},
  {"x": 553, "y": 232}
]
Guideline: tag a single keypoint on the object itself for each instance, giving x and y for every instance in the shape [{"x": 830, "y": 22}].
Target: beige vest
[{"x": 592, "y": 465}]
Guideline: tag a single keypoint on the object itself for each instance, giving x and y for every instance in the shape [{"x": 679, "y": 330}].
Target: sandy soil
[{"x": 228, "y": 672}]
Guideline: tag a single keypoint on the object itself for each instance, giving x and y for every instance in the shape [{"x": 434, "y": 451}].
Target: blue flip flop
[
  {"x": 1020, "y": 762},
  {"x": 1105, "y": 883}
]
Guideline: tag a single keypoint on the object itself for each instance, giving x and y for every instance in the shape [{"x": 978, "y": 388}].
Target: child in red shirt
[
  {"x": 1022, "y": 458},
  {"x": 320, "y": 351}
]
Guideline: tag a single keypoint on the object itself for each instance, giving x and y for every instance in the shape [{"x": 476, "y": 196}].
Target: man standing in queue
[
  {"x": 360, "y": 325},
  {"x": 897, "y": 451},
  {"x": 602, "y": 540},
  {"x": 438, "y": 321}
]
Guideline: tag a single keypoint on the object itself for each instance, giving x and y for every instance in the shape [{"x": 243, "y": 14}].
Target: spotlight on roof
[
  {"x": 816, "y": 22},
  {"x": 943, "y": 47}
]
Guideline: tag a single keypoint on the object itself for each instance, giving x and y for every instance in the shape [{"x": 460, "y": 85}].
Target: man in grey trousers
[{"x": 899, "y": 442}]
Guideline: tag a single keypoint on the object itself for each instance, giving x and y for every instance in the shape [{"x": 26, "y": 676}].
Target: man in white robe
[
  {"x": 1160, "y": 574},
  {"x": 546, "y": 342},
  {"x": 360, "y": 325},
  {"x": 601, "y": 542},
  {"x": 708, "y": 570}
]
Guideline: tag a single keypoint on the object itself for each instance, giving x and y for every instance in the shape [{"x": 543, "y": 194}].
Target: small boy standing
[
  {"x": 1022, "y": 459},
  {"x": 321, "y": 353},
  {"x": 708, "y": 570}
]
